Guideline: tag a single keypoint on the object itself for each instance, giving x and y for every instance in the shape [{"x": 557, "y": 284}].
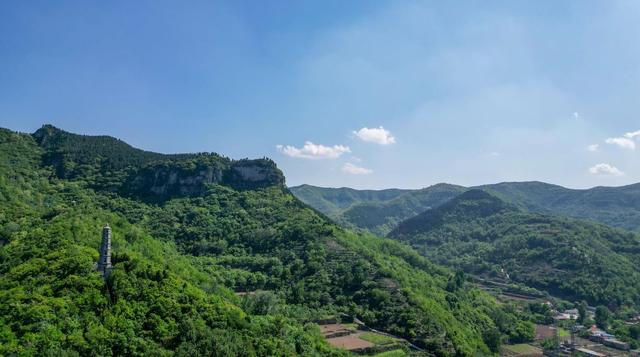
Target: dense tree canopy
[
  {"x": 381, "y": 211},
  {"x": 481, "y": 234},
  {"x": 180, "y": 260}
]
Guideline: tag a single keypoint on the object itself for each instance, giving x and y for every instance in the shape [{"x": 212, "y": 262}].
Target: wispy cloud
[
  {"x": 627, "y": 141},
  {"x": 605, "y": 170},
  {"x": 593, "y": 147},
  {"x": 378, "y": 135},
  {"x": 632, "y": 134},
  {"x": 623, "y": 142},
  {"x": 314, "y": 151},
  {"x": 355, "y": 170}
]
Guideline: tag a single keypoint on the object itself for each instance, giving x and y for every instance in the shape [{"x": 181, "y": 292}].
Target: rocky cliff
[{"x": 107, "y": 163}]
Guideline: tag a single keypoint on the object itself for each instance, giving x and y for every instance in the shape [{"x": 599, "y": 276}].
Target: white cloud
[
  {"x": 355, "y": 170},
  {"x": 627, "y": 141},
  {"x": 375, "y": 135},
  {"x": 632, "y": 134},
  {"x": 605, "y": 170},
  {"x": 494, "y": 154},
  {"x": 623, "y": 142},
  {"x": 576, "y": 115},
  {"x": 593, "y": 147},
  {"x": 313, "y": 151}
]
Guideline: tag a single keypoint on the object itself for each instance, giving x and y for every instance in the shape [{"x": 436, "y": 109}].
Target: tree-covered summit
[
  {"x": 483, "y": 235},
  {"x": 107, "y": 163}
]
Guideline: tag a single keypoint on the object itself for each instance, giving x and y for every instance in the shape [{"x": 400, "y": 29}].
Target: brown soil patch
[
  {"x": 544, "y": 332},
  {"x": 332, "y": 328},
  {"x": 349, "y": 342}
]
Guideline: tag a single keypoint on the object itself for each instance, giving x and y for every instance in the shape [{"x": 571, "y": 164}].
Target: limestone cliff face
[
  {"x": 177, "y": 179},
  {"x": 248, "y": 174},
  {"x": 173, "y": 181},
  {"x": 109, "y": 164}
]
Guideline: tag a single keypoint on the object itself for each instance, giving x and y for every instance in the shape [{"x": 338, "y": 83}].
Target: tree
[
  {"x": 582, "y": 312},
  {"x": 524, "y": 331},
  {"x": 493, "y": 339},
  {"x": 602, "y": 316},
  {"x": 456, "y": 281}
]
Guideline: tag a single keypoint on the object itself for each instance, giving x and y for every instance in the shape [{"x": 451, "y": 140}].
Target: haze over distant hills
[{"x": 615, "y": 206}]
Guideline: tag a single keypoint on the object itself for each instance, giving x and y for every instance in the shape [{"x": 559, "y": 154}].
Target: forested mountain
[
  {"x": 615, "y": 206},
  {"x": 483, "y": 235},
  {"x": 332, "y": 201},
  {"x": 377, "y": 211},
  {"x": 189, "y": 232}
]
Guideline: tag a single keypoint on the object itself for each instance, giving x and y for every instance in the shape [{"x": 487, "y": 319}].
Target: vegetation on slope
[
  {"x": 52, "y": 301},
  {"x": 615, "y": 206},
  {"x": 107, "y": 163},
  {"x": 178, "y": 260},
  {"x": 483, "y": 235},
  {"x": 332, "y": 201},
  {"x": 377, "y": 212},
  {"x": 381, "y": 218}
]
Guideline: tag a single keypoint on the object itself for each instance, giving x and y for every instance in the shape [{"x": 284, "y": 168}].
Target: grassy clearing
[
  {"x": 521, "y": 348},
  {"x": 377, "y": 338},
  {"x": 351, "y": 326},
  {"x": 392, "y": 353}
]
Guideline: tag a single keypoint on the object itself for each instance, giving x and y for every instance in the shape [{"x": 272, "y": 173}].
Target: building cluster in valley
[
  {"x": 572, "y": 339},
  {"x": 598, "y": 343}
]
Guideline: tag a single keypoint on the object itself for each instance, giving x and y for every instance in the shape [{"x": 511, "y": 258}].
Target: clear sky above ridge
[{"x": 366, "y": 94}]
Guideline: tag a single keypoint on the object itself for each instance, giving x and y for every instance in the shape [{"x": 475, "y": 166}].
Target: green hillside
[
  {"x": 191, "y": 231},
  {"x": 374, "y": 211},
  {"x": 381, "y": 218},
  {"x": 332, "y": 201},
  {"x": 483, "y": 235},
  {"x": 615, "y": 206}
]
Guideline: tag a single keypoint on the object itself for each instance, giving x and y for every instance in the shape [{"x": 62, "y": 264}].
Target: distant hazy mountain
[
  {"x": 376, "y": 211},
  {"x": 482, "y": 234},
  {"x": 615, "y": 206},
  {"x": 332, "y": 201}
]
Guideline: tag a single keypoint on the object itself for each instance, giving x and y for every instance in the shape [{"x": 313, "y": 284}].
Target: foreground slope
[
  {"x": 189, "y": 230},
  {"x": 483, "y": 235},
  {"x": 53, "y": 302}
]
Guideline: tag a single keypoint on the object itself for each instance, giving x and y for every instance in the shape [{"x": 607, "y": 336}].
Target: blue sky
[{"x": 467, "y": 92}]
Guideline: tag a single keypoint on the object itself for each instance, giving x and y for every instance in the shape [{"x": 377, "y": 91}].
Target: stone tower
[{"x": 104, "y": 264}]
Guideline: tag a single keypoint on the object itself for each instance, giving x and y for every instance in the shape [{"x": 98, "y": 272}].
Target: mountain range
[
  {"x": 215, "y": 256},
  {"x": 381, "y": 213}
]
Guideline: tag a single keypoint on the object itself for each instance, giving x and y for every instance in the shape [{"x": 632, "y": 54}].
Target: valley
[{"x": 540, "y": 262}]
